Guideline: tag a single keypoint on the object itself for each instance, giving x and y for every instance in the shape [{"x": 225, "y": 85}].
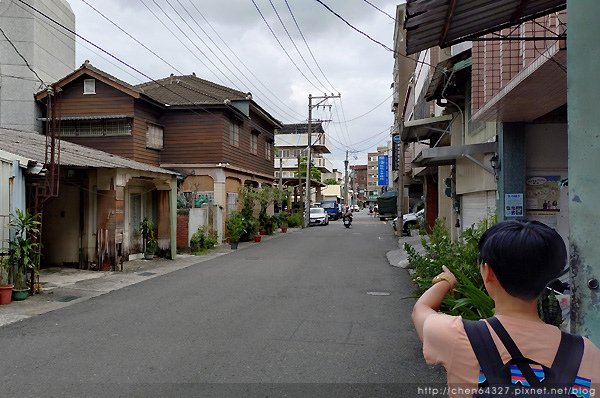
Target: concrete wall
[
  {"x": 550, "y": 160},
  {"x": 48, "y": 49}
]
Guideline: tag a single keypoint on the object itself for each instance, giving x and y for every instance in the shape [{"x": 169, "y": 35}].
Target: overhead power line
[
  {"x": 379, "y": 9},
  {"x": 120, "y": 60},
  {"x": 22, "y": 57},
  {"x": 294, "y": 44},
  {"x": 283, "y": 48},
  {"x": 369, "y": 37},
  {"x": 308, "y": 47},
  {"x": 241, "y": 62},
  {"x": 366, "y": 113}
]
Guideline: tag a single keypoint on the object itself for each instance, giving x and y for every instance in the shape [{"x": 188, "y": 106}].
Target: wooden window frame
[
  {"x": 86, "y": 86},
  {"x": 254, "y": 143},
  {"x": 234, "y": 134}
]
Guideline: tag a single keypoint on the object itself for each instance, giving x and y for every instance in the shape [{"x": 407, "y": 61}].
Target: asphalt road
[{"x": 317, "y": 312}]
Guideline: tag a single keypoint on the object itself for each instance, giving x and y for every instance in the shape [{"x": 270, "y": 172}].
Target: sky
[{"x": 228, "y": 42}]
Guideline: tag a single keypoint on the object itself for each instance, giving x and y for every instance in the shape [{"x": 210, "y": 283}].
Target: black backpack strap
[
  {"x": 514, "y": 352},
  {"x": 485, "y": 350},
  {"x": 567, "y": 360}
]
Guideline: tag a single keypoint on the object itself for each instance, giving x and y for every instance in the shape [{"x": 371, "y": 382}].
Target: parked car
[
  {"x": 354, "y": 208},
  {"x": 318, "y": 216},
  {"x": 408, "y": 220}
]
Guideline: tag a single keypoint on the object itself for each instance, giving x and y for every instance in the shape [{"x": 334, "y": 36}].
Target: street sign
[{"x": 396, "y": 138}]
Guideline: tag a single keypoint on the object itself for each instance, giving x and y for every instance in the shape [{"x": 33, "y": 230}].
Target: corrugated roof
[
  {"x": 189, "y": 90},
  {"x": 32, "y": 146},
  {"x": 431, "y": 23}
]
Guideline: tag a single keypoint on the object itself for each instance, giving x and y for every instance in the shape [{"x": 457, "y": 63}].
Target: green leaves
[{"x": 469, "y": 299}]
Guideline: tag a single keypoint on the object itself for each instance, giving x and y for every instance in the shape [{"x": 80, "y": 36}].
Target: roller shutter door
[{"x": 476, "y": 206}]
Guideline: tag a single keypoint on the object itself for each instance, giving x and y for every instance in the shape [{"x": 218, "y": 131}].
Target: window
[
  {"x": 89, "y": 86},
  {"x": 95, "y": 128},
  {"x": 234, "y": 134},
  {"x": 278, "y": 153},
  {"x": 254, "y": 143},
  {"x": 286, "y": 153},
  {"x": 231, "y": 202},
  {"x": 154, "y": 137},
  {"x": 268, "y": 150}
]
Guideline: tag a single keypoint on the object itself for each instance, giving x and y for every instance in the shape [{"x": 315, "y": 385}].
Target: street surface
[{"x": 314, "y": 313}]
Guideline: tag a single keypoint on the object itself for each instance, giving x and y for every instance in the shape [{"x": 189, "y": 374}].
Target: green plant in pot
[
  {"x": 5, "y": 288},
  {"x": 235, "y": 228},
  {"x": 149, "y": 241},
  {"x": 24, "y": 251},
  {"x": 283, "y": 221}
]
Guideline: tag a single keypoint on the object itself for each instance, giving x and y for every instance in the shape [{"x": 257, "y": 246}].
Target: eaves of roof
[{"x": 32, "y": 146}]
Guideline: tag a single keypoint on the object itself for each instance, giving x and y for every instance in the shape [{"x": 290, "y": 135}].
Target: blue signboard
[{"x": 382, "y": 170}]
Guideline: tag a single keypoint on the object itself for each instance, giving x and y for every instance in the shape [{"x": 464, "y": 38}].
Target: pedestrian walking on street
[{"x": 518, "y": 259}]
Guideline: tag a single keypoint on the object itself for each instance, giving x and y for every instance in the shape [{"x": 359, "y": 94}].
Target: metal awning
[
  {"x": 446, "y": 155},
  {"x": 423, "y": 129},
  {"x": 443, "y": 70},
  {"x": 431, "y": 23}
]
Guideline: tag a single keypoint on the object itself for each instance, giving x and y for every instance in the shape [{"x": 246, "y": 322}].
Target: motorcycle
[{"x": 347, "y": 221}]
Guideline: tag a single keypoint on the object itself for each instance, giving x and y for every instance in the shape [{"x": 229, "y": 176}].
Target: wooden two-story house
[{"x": 217, "y": 138}]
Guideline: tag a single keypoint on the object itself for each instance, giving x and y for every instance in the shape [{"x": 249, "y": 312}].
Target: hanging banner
[{"x": 382, "y": 170}]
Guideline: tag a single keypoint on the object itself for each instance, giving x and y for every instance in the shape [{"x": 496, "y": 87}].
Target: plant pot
[
  {"x": 20, "y": 294},
  {"x": 257, "y": 238},
  {"x": 105, "y": 266},
  {"x": 6, "y": 294},
  {"x": 148, "y": 256},
  {"x": 234, "y": 245},
  {"x": 284, "y": 229},
  {"x": 262, "y": 232}
]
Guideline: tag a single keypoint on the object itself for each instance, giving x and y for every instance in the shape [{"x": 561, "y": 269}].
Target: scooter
[{"x": 347, "y": 221}]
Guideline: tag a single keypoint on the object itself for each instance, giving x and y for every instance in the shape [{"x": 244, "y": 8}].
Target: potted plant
[
  {"x": 5, "y": 289},
  {"x": 24, "y": 251},
  {"x": 283, "y": 221},
  {"x": 151, "y": 246},
  {"x": 235, "y": 228},
  {"x": 148, "y": 239},
  {"x": 252, "y": 226}
]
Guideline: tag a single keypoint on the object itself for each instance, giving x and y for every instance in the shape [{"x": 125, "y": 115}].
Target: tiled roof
[
  {"x": 189, "y": 90},
  {"x": 32, "y": 146},
  {"x": 301, "y": 128}
]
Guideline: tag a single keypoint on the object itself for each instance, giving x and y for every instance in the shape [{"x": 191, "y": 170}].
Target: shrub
[
  {"x": 469, "y": 299},
  {"x": 202, "y": 240},
  {"x": 295, "y": 220}
]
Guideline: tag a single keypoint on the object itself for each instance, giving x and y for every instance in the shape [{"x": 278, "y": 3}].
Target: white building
[{"x": 31, "y": 43}]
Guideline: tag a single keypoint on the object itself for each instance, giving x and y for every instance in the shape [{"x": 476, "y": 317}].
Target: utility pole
[
  {"x": 346, "y": 180},
  {"x": 320, "y": 99}
]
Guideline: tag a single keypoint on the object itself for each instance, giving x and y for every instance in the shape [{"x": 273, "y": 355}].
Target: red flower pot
[
  {"x": 284, "y": 229},
  {"x": 257, "y": 238},
  {"x": 6, "y": 294}
]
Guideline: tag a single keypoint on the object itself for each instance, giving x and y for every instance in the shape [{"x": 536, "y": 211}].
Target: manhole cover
[
  {"x": 378, "y": 293},
  {"x": 66, "y": 299},
  {"x": 147, "y": 273}
]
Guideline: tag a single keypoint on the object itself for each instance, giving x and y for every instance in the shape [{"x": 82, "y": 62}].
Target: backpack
[{"x": 558, "y": 380}]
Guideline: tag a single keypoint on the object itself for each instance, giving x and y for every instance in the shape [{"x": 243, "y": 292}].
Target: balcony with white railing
[
  {"x": 319, "y": 142},
  {"x": 321, "y": 163}
]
